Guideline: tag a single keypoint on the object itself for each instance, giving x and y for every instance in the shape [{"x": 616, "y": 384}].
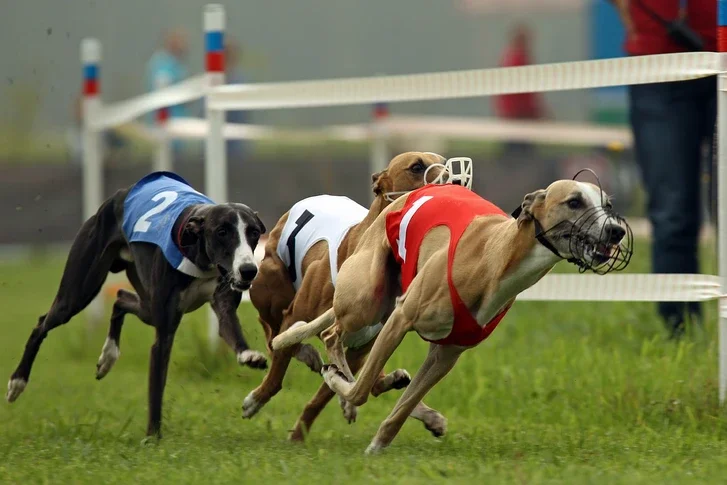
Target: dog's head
[
  {"x": 577, "y": 219},
  {"x": 227, "y": 235},
  {"x": 412, "y": 170}
]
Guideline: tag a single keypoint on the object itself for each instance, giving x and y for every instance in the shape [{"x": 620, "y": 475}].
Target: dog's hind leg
[
  {"x": 311, "y": 411},
  {"x": 438, "y": 363},
  {"x": 273, "y": 293},
  {"x": 89, "y": 260},
  {"x": 356, "y": 359},
  {"x": 273, "y": 381},
  {"x": 126, "y": 302}
]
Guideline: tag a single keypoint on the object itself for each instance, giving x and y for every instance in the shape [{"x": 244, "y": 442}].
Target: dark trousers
[{"x": 671, "y": 123}]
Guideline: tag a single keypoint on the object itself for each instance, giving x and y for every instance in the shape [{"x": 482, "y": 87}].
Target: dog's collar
[
  {"x": 178, "y": 239},
  {"x": 192, "y": 268},
  {"x": 392, "y": 196},
  {"x": 540, "y": 236}
]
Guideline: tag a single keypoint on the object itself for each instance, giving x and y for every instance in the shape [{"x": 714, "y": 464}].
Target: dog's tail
[{"x": 302, "y": 330}]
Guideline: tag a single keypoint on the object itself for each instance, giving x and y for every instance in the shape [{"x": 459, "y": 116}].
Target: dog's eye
[
  {"x": 254, "y": 233},
  {"x": 417, "y": 167},
  {"x": 608, "y": 206},
  {"x": 574, "y": 204},
  {"x": 221, "y": 232}
]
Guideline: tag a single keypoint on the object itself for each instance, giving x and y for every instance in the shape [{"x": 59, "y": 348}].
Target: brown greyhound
[
  {"x": 488, "y": 259},
  {"x": 297, "y": 276}
]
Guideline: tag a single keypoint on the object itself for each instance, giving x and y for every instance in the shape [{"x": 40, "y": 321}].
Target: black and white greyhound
[{"x": 179, "y": 251}]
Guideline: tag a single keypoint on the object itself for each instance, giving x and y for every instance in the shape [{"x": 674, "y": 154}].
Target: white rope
[
  {"x": 463, "y": 128},
  {"x": 467, "y": 84},
  {"x": 543, "y": 132},
  {"x": 196, "y": 128},
  {"x": 115, "y": 114},
  {"x": 624, "y": 287}
]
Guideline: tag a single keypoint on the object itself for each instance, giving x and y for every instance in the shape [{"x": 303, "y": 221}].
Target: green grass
[{"x": 561, "y": 392}]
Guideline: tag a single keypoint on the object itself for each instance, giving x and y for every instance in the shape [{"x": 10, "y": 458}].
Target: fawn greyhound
[{"x": 461, "y": 262}]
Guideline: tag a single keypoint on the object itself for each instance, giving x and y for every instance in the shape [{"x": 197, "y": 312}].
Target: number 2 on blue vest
[{"x": 167, "y": 197}]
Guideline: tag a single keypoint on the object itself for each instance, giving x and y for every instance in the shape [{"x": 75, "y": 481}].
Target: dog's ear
[
  {"x": 260, "y": 223},
  {"x": 525, "y": 211},
  {"x": 192, "y": 231},
  {"x": 380, "y": 182}
]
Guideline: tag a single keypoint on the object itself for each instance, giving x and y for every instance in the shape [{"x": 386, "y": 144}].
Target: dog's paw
[
  {"x": 350, "y": 412},
  {"x": 253, "y": 359},
  {"x": 109, "y": 355},
  {"x": 310, "y": 357},
  {"x": 250, "y": 406},
  {"x": 399, "y": 379},
  {"x": 374, "y": 448},
  {"x": 330, "y": 370},
  {"x": 15, "y": 388},
  {"x": 436, "y": 424}
]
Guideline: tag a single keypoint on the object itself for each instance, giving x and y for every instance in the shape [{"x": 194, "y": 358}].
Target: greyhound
[
  {"x": 462, "y": 262},
  {"x": 179, "y": 251}
]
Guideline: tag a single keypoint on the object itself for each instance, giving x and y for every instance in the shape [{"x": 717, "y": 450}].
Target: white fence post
[
  {"x": 722, "y": 190},
  {"x": 163, "y": 156},
  {"x": 215, "y": 156},
  {"x": 379, "y": 155},
  {"x": 92, "y": 156}
]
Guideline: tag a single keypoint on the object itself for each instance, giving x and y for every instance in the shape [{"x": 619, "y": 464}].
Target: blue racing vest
[{"x": 151, "y": 208}]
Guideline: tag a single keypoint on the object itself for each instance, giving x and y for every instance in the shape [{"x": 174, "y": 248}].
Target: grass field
[{"x": 578, "y": 393}]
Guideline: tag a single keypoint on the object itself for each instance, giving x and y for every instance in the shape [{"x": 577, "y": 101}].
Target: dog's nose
[
  {"x": 248, "y": 272},
  {"x": 615, "y": 233}
]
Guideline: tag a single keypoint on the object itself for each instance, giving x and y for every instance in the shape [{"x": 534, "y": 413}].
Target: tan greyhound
[
  {"x": 488, "y": 258},
  {"x": 297, "y": 276}
]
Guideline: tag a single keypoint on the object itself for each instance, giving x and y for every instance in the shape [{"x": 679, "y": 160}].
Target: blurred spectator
[
  {"x": 165, "y": 67},
  {"x": 673, "y": 125},
  {"x": 524, "y": 106},
  {"x": 236, "y": 149}
]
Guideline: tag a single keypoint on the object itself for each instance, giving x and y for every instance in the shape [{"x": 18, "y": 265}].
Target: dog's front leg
[
  {"x": 224, "y": 303},
  {"x": 388, "y": 340},
  {"x": 166, "y": 316},
  {"x": 438, "y": 363}
]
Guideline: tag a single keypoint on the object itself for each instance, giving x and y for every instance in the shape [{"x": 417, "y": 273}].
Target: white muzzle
[{"x": 457, "y": 171}]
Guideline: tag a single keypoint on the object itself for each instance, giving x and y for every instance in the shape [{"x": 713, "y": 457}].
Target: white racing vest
[{"x": 323, "y": 217}]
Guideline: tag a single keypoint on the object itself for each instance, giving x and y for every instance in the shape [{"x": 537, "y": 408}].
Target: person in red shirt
[
  {"x": 673, "y": 126},
  {"x": 518, "y": 106},
  {"x": 522, "y": 106}
]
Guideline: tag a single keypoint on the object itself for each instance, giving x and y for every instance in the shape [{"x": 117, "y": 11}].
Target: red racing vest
[{"x": 428, "y": 207}]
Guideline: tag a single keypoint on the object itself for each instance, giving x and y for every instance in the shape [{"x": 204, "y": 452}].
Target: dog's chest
[
  {"x": 533, "y": 267},
  {"x": 198, "y": 293}
]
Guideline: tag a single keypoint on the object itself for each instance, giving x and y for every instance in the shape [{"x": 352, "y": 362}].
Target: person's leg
[
  {"x": 709, "y": 106},
  {"x": 666, "y": 120}
]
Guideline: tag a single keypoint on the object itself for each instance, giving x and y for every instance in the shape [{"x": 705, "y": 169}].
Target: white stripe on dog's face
[
  {"x": 591, "y": 193},
  {"x": 244, "y": 255}
]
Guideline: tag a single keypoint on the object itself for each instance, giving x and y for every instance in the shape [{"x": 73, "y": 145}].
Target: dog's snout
[
  {"x": 248, "y": 272},
  {"x": 615, "y": 233}
]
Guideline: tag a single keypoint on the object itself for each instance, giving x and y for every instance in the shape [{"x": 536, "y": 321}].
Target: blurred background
[{"x": 40, "y": 172}]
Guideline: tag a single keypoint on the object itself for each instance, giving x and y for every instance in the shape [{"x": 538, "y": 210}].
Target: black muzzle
[{"x": 600, "y": 250}]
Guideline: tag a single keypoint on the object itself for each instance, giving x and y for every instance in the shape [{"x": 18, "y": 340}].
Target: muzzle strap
[{"x": 540, "y": 236}]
